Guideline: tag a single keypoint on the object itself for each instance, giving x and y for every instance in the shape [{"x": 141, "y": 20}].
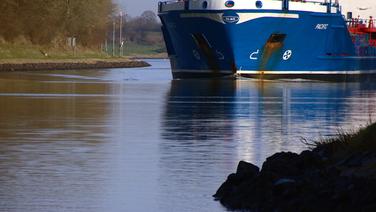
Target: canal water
[{"x": 136, "y": 140}]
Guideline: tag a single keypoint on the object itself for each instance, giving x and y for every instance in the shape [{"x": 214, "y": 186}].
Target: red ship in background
[{"x": 363, "y": 33}]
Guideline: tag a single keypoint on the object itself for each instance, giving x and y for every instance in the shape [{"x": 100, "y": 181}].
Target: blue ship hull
[{"x": 263, "y": 43}]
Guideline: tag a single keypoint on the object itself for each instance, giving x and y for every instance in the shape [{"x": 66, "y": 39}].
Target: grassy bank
[
  {"x": 36, "y": 52},
  {"x": 17, "y": 57},
  {"x": 144, "y": 51},
  {"x": 362, "y": 140},
  {"x": 28, "y": 51},
  {"x": 355, "y": 148}
]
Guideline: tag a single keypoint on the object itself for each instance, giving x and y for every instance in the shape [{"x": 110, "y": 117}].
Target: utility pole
[
  {"x": 121, "y": 35},
  {"x": 113, "y": 37}
]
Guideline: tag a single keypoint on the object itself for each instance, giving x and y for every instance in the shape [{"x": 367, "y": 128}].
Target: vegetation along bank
[{"x": 76, "y": 29}]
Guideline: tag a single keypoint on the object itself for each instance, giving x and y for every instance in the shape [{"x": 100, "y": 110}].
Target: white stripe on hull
[
  {"x": 243, "y": 17},
  {"x": 240, "y": 72},
  {"x": 201, "y": 71},
  {"x": 304, "y": 72}
]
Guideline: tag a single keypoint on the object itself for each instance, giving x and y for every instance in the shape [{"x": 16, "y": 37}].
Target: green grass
[
  {"x": 347, "y": 143},
  {"x": 132, "y": 49},
  {"x": 18, "y": 51}
]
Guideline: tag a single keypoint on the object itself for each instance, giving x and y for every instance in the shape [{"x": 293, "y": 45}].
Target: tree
[
  {"x": 144, "y": 29},
  {"x": 42, "y": 21},
  {"x": 149, "y": 17}
]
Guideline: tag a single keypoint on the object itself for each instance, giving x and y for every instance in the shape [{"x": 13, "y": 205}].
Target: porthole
[
  {"x": 259, "y": 4},
  {"x": 229, "y": 4}
]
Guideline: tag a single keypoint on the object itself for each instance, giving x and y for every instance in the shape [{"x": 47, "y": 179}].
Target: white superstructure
[{"x": 313, "y": 6}]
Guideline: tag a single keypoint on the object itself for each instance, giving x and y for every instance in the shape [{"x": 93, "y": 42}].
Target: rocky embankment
[
  {"x": 33, "y": 65},
  {"x": 337, "y": 175}
]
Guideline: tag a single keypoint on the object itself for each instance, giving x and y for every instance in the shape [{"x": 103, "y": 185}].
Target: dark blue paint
[
  {"x": 259, "y": 4},
  {"x": 329, "y": 50}
]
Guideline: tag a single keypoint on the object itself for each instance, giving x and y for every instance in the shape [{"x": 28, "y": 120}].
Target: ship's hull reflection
[{"x": 262, "y": 115}]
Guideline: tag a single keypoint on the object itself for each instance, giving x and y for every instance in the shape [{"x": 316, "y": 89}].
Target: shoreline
[
  {"x": 338, "y": 174},
  {"x": 146, "y": 56},
  {"x": 68, "y": 64}
]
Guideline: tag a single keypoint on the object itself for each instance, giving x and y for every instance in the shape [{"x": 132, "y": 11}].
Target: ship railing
[
  {"x": 323, "y": 2},
  {"x": 361, "y": 23},
  {"x": 173, "y": 5},
  {"x": 329, "y": 4}
]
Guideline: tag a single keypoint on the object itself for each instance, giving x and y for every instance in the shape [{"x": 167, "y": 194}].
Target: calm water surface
[{"x": 136, "y": 140}]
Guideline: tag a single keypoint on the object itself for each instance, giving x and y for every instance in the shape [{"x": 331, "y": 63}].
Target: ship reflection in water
[
  {"x": 264, "y": 117},
  {"x": 209, "y": 125},
  {"x": 135, "y": 140}
]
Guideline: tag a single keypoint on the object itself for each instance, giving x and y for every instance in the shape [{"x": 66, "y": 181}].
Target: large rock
[
  {"x": 244, "y": 172},
  {"x": 247, "y": 170},
  {"x": 292, "y": 182},
  {"x": 282, "y": 165}
]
